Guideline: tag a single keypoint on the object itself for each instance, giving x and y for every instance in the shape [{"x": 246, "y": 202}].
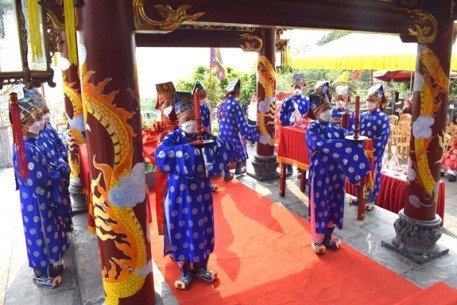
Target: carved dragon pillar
[
  {"x": 418, "y": 226},
  {"x": 113, "y": 131},
  {"x": 264, "y": 163},
  {"x": 74, "y": 113}
]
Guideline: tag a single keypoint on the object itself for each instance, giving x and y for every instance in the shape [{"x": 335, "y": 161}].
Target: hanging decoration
[
  {"x": 33, "y": 22},
  {"x": 70, "y": 31}
]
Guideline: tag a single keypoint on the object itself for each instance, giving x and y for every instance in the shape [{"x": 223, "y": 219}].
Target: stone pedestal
[
  {"x": 265, "y": 168},
  {"x": 416, "y": 239},
  {"x": 78, "y": 198}
]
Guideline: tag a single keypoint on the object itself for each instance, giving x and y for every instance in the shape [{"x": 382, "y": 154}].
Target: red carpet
[
  {"x": 263, "y": 256},
  {"x": 438, "y": 293}
]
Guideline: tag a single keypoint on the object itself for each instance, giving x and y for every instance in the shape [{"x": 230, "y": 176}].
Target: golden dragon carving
[
  {"x": 435, "y": 81},
  {"x": 73, "y": 94},
  {"x": 75, "y": 137},
  {"x": 425, "y": 27},
  {"x": 172, "y": 18},
  {"x": 124, "y": 274},
  {"x": 251, "y": 43},
  {"x": 267, "y": 79}
]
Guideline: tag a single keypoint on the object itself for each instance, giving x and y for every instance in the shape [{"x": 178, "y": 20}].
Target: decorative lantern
[{"x": 24, "y": 44}]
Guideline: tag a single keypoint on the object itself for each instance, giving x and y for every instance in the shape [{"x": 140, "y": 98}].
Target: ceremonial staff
[
  {"x": 356, "y": 137},
  {"x": 199, "y": 141}
]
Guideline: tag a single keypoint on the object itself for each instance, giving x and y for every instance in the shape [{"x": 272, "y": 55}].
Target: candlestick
[
  {"x": 197, "y": 106},
  {"x": 356, "y": 117}
]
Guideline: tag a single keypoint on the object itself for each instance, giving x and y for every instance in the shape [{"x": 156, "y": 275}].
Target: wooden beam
[
  {"x": 388, "y": 16},
  {"x": 230, "y": 38}
]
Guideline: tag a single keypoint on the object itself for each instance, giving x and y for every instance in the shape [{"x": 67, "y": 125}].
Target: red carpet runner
[{"x": 263, "y": 256}]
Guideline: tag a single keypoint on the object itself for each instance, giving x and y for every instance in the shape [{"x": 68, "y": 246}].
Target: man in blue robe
[
  {"x": 45, "y": 238},
  {"x": 205, "y": 110},
  {"x": 56, "y": 154},
  {"x": 188, "y": 200},
  {"x": 332, "y": 159},
  {"x": 375, "y": 124},
  {"x": 205, "y": 114},
  {"x": 234, "y": 129},
  {"x": 341, "y": 109},
  {"x": 295, "y": 106}
]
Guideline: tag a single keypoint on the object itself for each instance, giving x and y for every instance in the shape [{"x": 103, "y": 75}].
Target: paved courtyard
[{"x": 82, "y": 280}]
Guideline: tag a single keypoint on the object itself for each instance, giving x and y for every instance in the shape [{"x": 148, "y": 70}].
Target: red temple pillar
[
  {"x": 264, "y": 163},
  {"x": 113, "y": 132},
  {"x": 75, "y": 118},
  {"x": 418, "y": 226}
]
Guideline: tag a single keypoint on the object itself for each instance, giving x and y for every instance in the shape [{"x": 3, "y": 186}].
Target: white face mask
[
  {"x": 47, "y": 118},
  {"x": 341, "y": 104},
  {"x": 35, "y": 128},
  {"x": 371, "y": 105},
  {"x": 167, "y": 111},
  {"x": 325, "y": 116},
  {"x": 189, "y": 127},
  {"x": 42, "y": 124},
  {"x": 297, "y": 92}
]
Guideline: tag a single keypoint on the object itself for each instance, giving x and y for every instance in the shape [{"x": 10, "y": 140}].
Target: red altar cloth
[
  {"x": 292, "y": 147},
  {"x": 392, "y": 193}
]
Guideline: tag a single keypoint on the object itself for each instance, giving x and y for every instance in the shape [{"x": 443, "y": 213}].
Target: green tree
[
  {"x": 216, "y": 89},
  {"x": 331, "y": 36}
]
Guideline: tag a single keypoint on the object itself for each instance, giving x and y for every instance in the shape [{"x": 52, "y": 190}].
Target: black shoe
[
  {"x": 228, "y": 177},
  {"x": 55, "y": 270},
  {"x": 442, "y": 174},
  {"x": 451, "y": 178},
  {"x": 240, "y": 171}
]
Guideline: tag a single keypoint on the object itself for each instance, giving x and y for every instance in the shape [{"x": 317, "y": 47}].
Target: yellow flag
[{"x": 343, "y": 78}]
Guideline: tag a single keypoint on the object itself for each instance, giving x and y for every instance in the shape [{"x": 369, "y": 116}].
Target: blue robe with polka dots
[
  {"x": 233, "y": 128},
  {"x": 339, "y": 112},
  {"x": 205, "y": 116},
  {"x": 45, "y": 238},
  {"x": 56, "y": 154},
  {"x": 332, "y": 159},
  {"x": 51, "y": 136},
  {"x": 288, "y": 107},
  {"x": 376, "y": 126},
  {"x": 188, "y": 199}
]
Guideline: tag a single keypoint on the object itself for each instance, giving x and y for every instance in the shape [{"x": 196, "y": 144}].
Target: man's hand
[{"x": 264, "y": 139}]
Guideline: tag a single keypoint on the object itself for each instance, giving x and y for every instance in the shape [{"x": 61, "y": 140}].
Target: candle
[
  {"x": 197, "y": 117},
  {"x": 357, "y": 106}
]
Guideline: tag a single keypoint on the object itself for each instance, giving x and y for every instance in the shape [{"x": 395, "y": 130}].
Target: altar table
[
  {"x": 392, "y": 193},
  {"x": 293, "y": 150}
]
